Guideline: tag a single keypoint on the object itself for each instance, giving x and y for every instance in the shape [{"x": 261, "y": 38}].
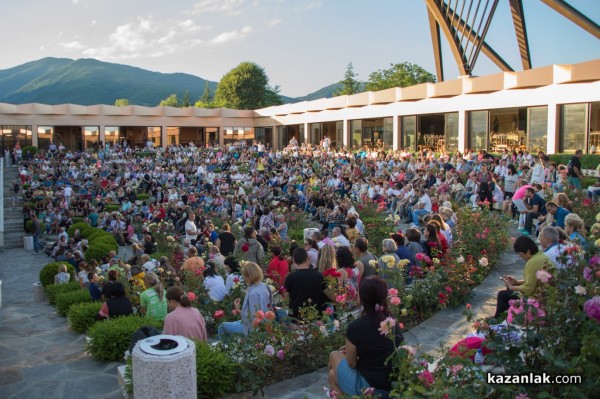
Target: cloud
[
  {"x": 71, "y": 46},
  {"x": 94, "y": 22},
  {"x": 232, "y": 35},
  {"x": 229, "y": 7},
  {"x": 75, "y": 2},
  {"x": 147, "y": 37},
  {"x": 274, "y": 22},
  {"x": 307, "y": 5}
]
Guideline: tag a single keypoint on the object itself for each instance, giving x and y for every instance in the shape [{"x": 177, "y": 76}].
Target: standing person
[
  {"x": 153, "y": 303},
  {"x": 278, "y": 267},
  {"x": 574, "y": 170},
  {"x": 365, "y": 257},
  {"x": 191, "y": 231},
  {"x": 36, "y": 229},
  {"x": 249, "y": 247},
  {"x": 304, "y": 287},
  {"x": 226, "y": 241},
  {"x": 16, "y": 189},
  {"x": 362, "y": 362},
  {"x": 183, "y": 319}
]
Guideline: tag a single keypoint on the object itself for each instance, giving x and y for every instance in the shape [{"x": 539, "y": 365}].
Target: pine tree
[{"x": 349, "y": 85}]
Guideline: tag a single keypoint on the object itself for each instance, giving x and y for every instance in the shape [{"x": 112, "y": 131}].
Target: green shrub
[
  {"x": 96, "y": 252},
  {"x": 97, "y": 233},
  {"x": 52, "y": 291},
  {"x": 111, "y": 338},
  {"x": 83, "y": 228},
  {"x": 78, "y": 220},
  {"x": 51, "y": 269},
  {"x": 65, "y": 300},
  {"x": 111, "y": 208},
  {"x": 215, "y": 371},
  {"x": 105, "y": 241},
  {"x": 142, "y": 197},
  {"x": 588, "y": 161},
  {"x": 29, "y": 226},
  {"x": 83, "y": 315},
  {"x": 31, "y": 148}
]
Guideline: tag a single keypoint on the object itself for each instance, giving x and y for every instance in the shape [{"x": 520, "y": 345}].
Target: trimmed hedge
[
  {"x": 51, "y": 269},
  {"x": 96, "y": 252},
  {"x": 31, "y": 148},
  {"x": 65, "y": 300},
  {"x": 105, "y": 241},
  {"x": 111, "y": 208},
  {"x": 52, "y": 291},
  {"x": 111, "y": 338},
  {"x": 588, "y": 161},
  {"x": 29, "y": 226},
  {"x": 215, "y": 372},
  {"x": 82, "y": 316},
  {"x": 84, "y": 228}
]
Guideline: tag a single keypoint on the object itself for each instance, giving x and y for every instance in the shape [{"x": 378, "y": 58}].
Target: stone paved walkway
[{"x": 40, "y": 357}]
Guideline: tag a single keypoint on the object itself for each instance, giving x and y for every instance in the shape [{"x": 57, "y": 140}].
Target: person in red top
[{"x": 278, "y": 267}]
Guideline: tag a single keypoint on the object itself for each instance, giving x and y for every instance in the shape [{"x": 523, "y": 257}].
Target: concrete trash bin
[
  {"x": 164, "y": 366},
  {"x": 38, "y": 292},
  {"x": 28, "y": 243},
  {"x": 309, "y": 231}
]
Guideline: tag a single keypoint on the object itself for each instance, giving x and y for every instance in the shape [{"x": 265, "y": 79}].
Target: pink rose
[
  {"x": 426, "y": 377},
  {"x": 218, "y": 314},
  {"x": 393, "y": 292},
  {"x": 592, "y": 308},
  {"x": 191, "y": 296},
  {"x": 543, "y": 276},
  {"x": 386, "y": 326},
  {"x": 395, "y": 301},
  {"x": 280, "y": 354}
]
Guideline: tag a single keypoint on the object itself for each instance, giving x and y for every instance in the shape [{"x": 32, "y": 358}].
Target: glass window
[
  {"x": 259, "y": 134},
  {"x": 478, "y": 130},
  {"x": 573, "y": 127},
  {"x": 595, "y": 128},
  {"x": 9, "y": 135},
  {"x": 388, "y": 133},
  {"x": 45, "y": 136},
  {"x": 537, "y": 129},
  {"x": 451, "y": 132},
  {"x": 111, "y": 135},
  {"x": 154, "y": 135},
  {"x": 356, "y": 134},
  {"x": 339, "y": 134},
  {"x": 409, "y": 132},
  {"x": 91, "y": 136},
  {"x": 316, "y": 133},
  {"x": 173, "y": 135}
]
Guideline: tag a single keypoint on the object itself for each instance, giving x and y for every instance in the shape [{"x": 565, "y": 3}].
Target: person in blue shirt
[
  {"x": 558, "y": 212},
  {"x": 536, "y": 207},
  {"x": 574, "y": 228},
  {"x": 95, "y": 291}
]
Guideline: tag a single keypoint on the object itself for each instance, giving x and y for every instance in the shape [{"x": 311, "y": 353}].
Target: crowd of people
[{"x": 123, "y": 193}]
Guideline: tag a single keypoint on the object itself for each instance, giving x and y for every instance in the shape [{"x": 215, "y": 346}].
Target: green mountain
[
  {"x": 89, "y": 82},
  {"x": 325, "y": 92}
]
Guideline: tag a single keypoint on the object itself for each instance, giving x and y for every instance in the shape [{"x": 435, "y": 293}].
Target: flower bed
[{"x": 557, "y": 334}]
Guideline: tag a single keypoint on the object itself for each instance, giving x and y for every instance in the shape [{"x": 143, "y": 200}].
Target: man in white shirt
[
  {"x": 191, "y": 231},
  {"x": 422, "y": 207},
  {"x": 338, "y": 238}
]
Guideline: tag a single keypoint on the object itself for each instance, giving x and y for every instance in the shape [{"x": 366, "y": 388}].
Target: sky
[{"x": 303, "y": 45}]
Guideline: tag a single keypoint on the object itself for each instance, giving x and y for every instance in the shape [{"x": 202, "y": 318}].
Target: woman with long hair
[
  {"x": 153, "y": 302},
  {"x": 362, "y": 362},
  {"x": 183, "y": 319}
]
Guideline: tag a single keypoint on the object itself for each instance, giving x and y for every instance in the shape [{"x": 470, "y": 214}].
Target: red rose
[
  {"x": 245, "y": 247},
  {"x": 218, "y": 314}
]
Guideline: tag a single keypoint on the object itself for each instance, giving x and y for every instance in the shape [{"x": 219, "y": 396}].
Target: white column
[
  {"x": 275, "y": 138},
  {"x": 163, "y": 136},
  {"x": 345, "y": 130},
  {"x": 462, "y": 130},
  {"x": 395, "y": 132},
  {"x": 101, "y": 135},
  {"x": 306, "y": 133},
  {"x": 34, "y": 135},
  {"x": 552, "y": 132}
]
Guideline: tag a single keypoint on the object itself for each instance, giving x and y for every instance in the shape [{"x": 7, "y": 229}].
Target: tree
[
  {"x": 272, "y": 96},
  {"x": 349, "y": 85},
  {"x": 399, "y": 75},
  {"x": 245, "y": 87},
  {"x": 121, "y": 102},
  {"x": 171, "y": 101},
  {"x": 206, "y": 99},
  {"x": 186, "y": 99}
]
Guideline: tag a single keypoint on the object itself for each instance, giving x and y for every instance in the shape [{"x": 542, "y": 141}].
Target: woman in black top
[{"x": 361, "y": 363}]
